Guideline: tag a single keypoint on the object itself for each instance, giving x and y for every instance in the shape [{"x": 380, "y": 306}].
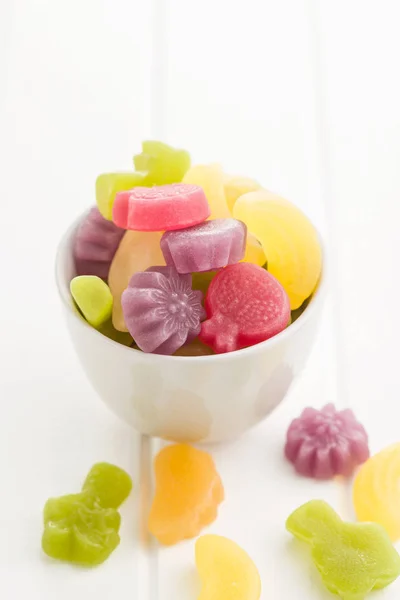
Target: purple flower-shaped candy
[
  {"x": 324, "y": 443},
  {"x": 95, "y": 244},
  {"x": 161, "y": 310}
]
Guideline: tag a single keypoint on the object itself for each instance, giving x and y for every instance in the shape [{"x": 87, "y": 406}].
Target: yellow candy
[
  {"x": 237, "y": 186},
  {"x": 254, "y": 252},
  {"x": 226, "y": 571},
  {"x": 137, "y": 251},
  {"x": 289, "y": 241},
  {"x": 211, "y": 179},
  {"x": 376, "y": 490}
]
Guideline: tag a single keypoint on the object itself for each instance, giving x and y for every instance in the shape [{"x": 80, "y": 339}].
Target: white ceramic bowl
[{"x": 203, "y": 398}]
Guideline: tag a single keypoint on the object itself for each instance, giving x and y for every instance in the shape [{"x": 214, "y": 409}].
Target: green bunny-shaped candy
[{"x": 352, "y": 558}]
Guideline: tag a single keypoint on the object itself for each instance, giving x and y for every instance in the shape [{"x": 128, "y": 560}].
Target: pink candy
[
  {"x": 324, "y": 443},
  {"x": 95, "y": 244},
  {"x": 161, "y": 208},
  {"x": 205, "y": 247},
  {"x": 161, "y": 311},
  {"x": 245, "y": 305}
]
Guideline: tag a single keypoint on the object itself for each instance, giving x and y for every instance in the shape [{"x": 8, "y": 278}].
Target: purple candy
[
  {"x": 95, "y": 244},
  {"x": 205, "y": 247},
  {"x": 325, "y": 443},
  {"x": 161, "y": 311}
]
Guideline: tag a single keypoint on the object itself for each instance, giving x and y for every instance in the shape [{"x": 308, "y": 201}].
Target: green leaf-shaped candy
[
  {"x": 161, "y": 164},
  {"x": 109, "y": 484},
  {"x": 352, "y": 558}
]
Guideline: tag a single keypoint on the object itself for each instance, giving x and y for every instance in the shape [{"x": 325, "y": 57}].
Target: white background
[{"x": 303, "y": 95}]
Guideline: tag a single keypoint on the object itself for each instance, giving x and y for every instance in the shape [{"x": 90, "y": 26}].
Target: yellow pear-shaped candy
[
  {"x": 137, "y": 251},
  {"x": 376, "y": 490},
  {"x": 226, "y": 571},
  {"x": 288, "y": 238}
]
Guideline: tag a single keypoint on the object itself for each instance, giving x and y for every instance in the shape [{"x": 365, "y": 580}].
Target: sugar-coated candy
[
  {"x": 109, "y": 184},
  {"x": 93, "y": 297},
  {"x": 161, "y": 163},
  {"x": 289, "y": 241},
  {"x": 162, "y": 312},
  {"x": 95, "y": 244},
  {"x": 188, "y": 492},
  {"x": 83, "y": 528},
  {"x": 328, "y": 442},
  {"x": 108, "y": 484},
  {"x": 161, "y": 208},
  {"x": 137, "y": 251},
  {"x": 226, "y": 571},
  {"x": 352, "y": 559},
  {"x": 245, "y": 305},
  {"x": 211, "y": 179},
  {"x": 205, "y": 247},
  {"x": 376, "y": 490},
  {"x": 237, "y": 186}
]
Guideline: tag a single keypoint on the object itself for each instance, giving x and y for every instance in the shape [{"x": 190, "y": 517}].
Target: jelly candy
[
  {"x": 161, "y": 163},
  {"x": 226, "y": 570},
  {"x": 109, "y": 184},
  {"x": 121, "y": 337},
  {"x": 109, "y": 484},
  {"x": 289, "y": 241},
  {"x": 188, "y": 492},
  {"x": 93, "y": 297},
  {"x": 254, "y": 252},
  {"x": 161, "y": 208},
  {"x": 376, "y": 490},
  {"x": 211, "y": 179},
  {"x": 352, "y": 559},
  {"x": 161, "y": 310},
  {"x": 324, "y": 443},
  {"x": 137, "y": 251},
  {"x": 205, "y": 247},
  {"x": 195, "y": 348},
  {"x": 83, "y": 528},
  {"x": 79, "y": 530},
  {"x": 95, "y": 244},
  {"x": 235, "y": 187},
  {"x": 245, "y": 305},
  {"x": 201, "y": 281}
]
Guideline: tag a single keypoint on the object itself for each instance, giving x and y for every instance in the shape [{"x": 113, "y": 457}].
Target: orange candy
[{"x": 188, "y": 492}]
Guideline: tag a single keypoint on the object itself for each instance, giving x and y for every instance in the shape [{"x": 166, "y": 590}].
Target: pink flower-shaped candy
[
  {"x": 324, "y": 443},
  {"x": 161, "y": 310},
  {"x": 95, "y": 243}
]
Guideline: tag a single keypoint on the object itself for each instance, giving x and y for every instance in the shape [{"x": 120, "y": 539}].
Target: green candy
[
  {"x": 352, "y": 558},
  {"x": 93, "y": 297},
  {"x": 79, "y": 530},
  {"x": 109, "y": 184},
  {"x": 121, "y": 337},
  {"x": 84, "y": 528},
  {"x": 109, "y": 484},
  {"x": 161, "y": 164}
]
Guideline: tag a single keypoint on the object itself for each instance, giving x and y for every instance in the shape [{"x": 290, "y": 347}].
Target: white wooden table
[{"x": 301, "y": 94}]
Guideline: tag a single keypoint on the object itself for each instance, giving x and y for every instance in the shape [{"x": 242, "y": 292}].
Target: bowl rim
[{"x": 64, "y": 247}]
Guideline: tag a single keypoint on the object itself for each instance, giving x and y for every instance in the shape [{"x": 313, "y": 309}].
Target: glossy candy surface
[
  {"x": 324, "y": 443},
  {"x": 137, "y": 251},
  {"x": 161, "y": 208},
  {"x": 188, "y": 492},
  {"x": 235, "y": 187},
  {"x": 226, "y": 570},
  {"x": 211, "y": 179},
  {"x": 161, "y": 164},
  {"x": 376, "y": 490},
  {"x": 162, "y": 312},
  {"x": 289, "y": 241},
  {"x": 95, "y": 244},
  {"x": 205, "y": 247},
  {"x": 83, "y": 528},
  {"x": 352, "y": 559},
  {"x": 93, "y": 297},
  {"x": 245, "y": 305}
]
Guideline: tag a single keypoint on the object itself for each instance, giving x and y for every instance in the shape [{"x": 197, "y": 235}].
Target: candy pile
[{"x": 157, "y": 231}]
